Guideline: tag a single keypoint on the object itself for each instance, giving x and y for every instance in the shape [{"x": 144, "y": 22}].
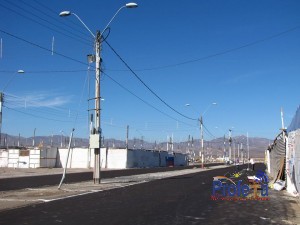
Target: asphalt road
[
  {"x": 15, "y": 183},
  {"x": 177, "y": 200}
]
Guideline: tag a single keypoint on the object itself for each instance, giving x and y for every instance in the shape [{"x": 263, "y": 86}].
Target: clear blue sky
[{"x": 243, "y": 55}]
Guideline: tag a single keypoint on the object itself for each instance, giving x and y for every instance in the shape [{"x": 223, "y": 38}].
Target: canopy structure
[
  {"x": 295, "y": 124},
  {"x": 276, "y": 157}
]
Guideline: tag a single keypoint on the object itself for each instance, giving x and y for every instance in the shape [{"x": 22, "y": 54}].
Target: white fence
[
  {"x": 293, "y": 162},
  {"x": 84, "y": 158}
]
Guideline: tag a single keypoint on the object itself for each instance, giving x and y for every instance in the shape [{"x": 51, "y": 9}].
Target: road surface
[{"x": 183, "y": 199}]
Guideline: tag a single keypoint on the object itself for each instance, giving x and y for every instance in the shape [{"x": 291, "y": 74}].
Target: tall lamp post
[
  {"x": 95, "y": 136},
  {"x": 201, "y": 132},
  {"x": 2, "y": 98}
]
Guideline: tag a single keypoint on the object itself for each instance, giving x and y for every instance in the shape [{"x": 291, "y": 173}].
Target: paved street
[
  {"x": 14, "y": 179},
  {"x": 184, "y": 199}
]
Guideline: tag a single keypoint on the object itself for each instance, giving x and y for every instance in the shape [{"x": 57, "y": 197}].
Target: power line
[
  {"x": 54, "y": 17},
  {"x": 46, "y": 26},
  {"x": 208, "y": 132},
  {"x": 143, "y": 100},
  {"x": 55, "y": 13},
  {"x": 46, "y": 49},
  {"x": 29, "y": 105},
  {"x": 221, "y": 52},
  {"x": 46, "y": 71},
  {"x": 41, "y": 47},
  {"x": 156, "y": 95},
  {"x": 36, "y": 116}
]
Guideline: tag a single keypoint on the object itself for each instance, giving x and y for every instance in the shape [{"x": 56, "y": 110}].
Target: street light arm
[
  {"x": 128, "y": 5},
  {"x": 84, "y": 24},
  {"x": 208, "y": 108},
  {"x": 11, "y": 79},
  {"x": 112, "y": 19}
]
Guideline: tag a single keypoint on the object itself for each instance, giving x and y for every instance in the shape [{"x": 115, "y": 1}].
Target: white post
[
  {"x": 202, "y": 142},
  {"x": 97, "y": 165},
  {"x": 230, "y": 141},
  {"x": 65, "y": 169},
  {"x": 248, "y": 150}
]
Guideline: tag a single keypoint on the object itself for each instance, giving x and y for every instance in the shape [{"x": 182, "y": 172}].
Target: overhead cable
[{"x": 156, "y": 95}]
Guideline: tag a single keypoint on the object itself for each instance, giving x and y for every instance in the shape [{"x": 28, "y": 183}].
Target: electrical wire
[
  {"x": 45, "y": 71},
  {"x": 143, "y": 100},
  {"x": 55, "y": 17},
  {"x": 156, "y": 95},
  {"x": 53, "y": 111},
  {"x": 55, "y": 13},
  {"x": 222, "y": 52},
  {"x": 46, "y": 49},
  {"x": 36, "y": 116},
  {"x": 41, "y": 47},
  {"x": 208, "y": 132},
  {"x": 46, "y": 26}
]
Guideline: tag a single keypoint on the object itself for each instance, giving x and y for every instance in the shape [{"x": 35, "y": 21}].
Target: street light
[
  {"x": 201, "y": 131},
  {"x": 11, "y": 79},
  {"x": 2, "y": 97},
  {"x": 95, "y": 136}
]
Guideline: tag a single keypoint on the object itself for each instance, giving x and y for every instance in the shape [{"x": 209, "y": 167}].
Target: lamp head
[
  {"x": 131, "y": 5},
  {"x": 65, "y": 13}
]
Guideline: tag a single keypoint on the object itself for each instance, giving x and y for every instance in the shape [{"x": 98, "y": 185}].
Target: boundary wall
[{"x": 84, "y": 158}]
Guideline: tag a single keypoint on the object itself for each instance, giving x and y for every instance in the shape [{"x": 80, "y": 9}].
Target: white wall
[
  {"x": 13, "y": 158},
  {"x": 78, "y": 158},
  {"x": 3, "y": 158},
  {"x": 116, "y": 158},
  {"x": 84, "y": 158}
]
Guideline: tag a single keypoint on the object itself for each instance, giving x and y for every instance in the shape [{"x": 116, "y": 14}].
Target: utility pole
[
  {"x": 33, "y": 140},
  {"x": 224, "y": 148},
  {"x": 142, "y": 142},
  {"x": 282, "y": 125},
  {"x": 202, "y": 142},
  {"x": 230, "y": 142},
  {"x": 51, "y": 142},
  {"x": 1, "y": 103},
  {"x": 234, "y": 153},
  {"x": 127, "y": 135},
  {"x": 61, "y": 140},
  {"x": 96, "y": 136},
  {"x": 192, "y": 147},
  {"x": 248, "y": 150}
]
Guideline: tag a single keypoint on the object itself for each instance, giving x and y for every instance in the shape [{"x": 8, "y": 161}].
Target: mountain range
[{"x": 215, "y": 147}]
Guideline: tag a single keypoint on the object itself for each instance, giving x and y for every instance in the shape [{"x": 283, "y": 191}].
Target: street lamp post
[
  {"x": 95, "y": 136},
  {"x": 201, "y": 153},
  {"x": 2, "y": 98},
  {"x": 202, "y": 141},
  {"x": 230, "y": 142}
]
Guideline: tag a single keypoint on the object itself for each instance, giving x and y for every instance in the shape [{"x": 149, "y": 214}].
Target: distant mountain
[{"x": 215, "y": 147}]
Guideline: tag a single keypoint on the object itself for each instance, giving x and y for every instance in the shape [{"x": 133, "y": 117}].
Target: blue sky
[{"x": 243, "y": 55}]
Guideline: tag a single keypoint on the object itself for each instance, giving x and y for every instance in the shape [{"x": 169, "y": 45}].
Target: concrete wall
[
  {"x": 84, "y": 158},
  {"x": 13, "y": 158},
  {"x": 78, "y": 158},
  {"x": 180, "y": 159},
  {"x": 117, "y": 159},
  {"x": 3, "y": 158},
  {"x": 142, "y": 158}
]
